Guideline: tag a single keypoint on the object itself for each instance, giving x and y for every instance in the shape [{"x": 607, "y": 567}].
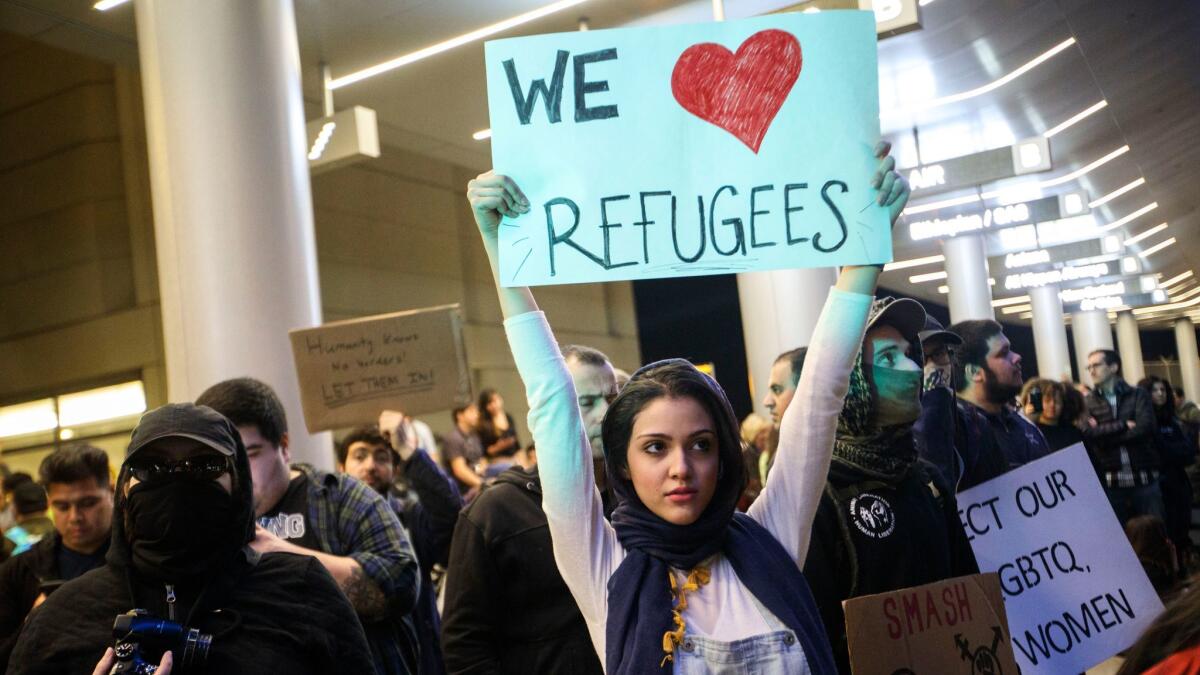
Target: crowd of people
[{"x": 643, "y": 530}]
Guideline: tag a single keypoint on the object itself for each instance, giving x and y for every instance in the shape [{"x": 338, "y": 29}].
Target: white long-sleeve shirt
[{"x": 586, "y": 548}]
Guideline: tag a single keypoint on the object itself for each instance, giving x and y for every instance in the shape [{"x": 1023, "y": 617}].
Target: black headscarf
[{"x": 639, "y": 595}]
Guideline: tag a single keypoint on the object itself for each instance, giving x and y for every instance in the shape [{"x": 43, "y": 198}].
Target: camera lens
[{"x": 195, "y": 647}]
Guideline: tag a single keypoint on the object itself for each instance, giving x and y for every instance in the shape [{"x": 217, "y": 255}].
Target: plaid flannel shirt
[{"x": 351, "y": 519}]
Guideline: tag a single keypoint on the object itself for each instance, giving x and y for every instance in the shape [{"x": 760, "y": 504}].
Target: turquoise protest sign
[{"x": 687, "y": 150}]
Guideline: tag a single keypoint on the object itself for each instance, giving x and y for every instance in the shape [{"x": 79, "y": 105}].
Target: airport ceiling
[{"x": 970, "y": 57}]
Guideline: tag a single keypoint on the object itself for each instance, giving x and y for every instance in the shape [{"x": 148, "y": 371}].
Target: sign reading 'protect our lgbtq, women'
[{"x": 688, "y": 150}]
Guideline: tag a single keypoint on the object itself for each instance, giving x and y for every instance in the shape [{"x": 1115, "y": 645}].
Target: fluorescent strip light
[
  {"x": 1026, "y": 315},
  {"x": 934, "y": 206},
  {"x": 95, "y": 405},
  {"x": 915, "y": 262},
  {"x": 322, "y": 139},
  {"x": 1156, "y": 248},
  {"x": 1148, "y": 233},
  {"x": 1116, "y": 193},
  {"x": 1058, "y": 129},
  {"x": 1175, "y": 279},
  {"x": 1040, "y": 185},
  {"x": 994, "y": 84},
  {"x": 27, "y": 418},
  {"x": 1016, "y": 309},
  {"x": 478, "y": 34},
  {"x": 943, "y": 290},
  {"x": 922, "y": 278},
  {"x": 1136, "y": 214},
  {"x": 105, "y": 5},
  {"x": 1071, "y": 176},
  {"x": 482, "y": 134},
  {"x": 1188, "y": 294},
  {"x": 1167, "y": 307},
  {"x": 1004, "y": 302}
]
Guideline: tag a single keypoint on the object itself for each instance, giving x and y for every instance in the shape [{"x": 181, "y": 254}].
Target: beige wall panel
[
  {"x": 377, "y": 196},
  {"x": 84, "y": 173},
  {"x": 81, "y": 114},
  {"x": 121, "y": 342},
  {"x": 66, "y": 295},
  {"x": 55, "y": 71},
  {"x": 357, "y": 291},
  {"x": 353, "y": 240},
  {"x": 410, "y": 166},
  {"x": 69, "y": 236}
]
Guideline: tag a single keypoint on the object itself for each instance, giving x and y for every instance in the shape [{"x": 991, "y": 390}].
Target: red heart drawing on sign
[{"x": 742, "y": 92}]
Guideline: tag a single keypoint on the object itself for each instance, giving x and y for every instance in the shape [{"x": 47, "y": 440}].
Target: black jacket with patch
[
  {"x": 507, "y": 608},
  {"x": 871, "y": 536}
]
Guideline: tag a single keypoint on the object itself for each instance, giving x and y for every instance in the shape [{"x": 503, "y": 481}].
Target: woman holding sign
[{"x": 679, "y": 581}]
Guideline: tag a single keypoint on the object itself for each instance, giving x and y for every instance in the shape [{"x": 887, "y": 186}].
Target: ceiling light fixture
[
  {"x": 922, "y": 278},
  {"x": 482, "y": 134},
  {"x": 991, "y": 86},
  {"x": 1136, "y": 214},
  {"x": 1075, "y": 119},
  {"x": 1005, "y": 302},
  {"x": 943, "y": 289},
  {"x": 1052, "y": 182},
  {"x": 1186, "y": 294},
  {"x": 1175, "y": 279},
  {"x": 1148, "y": 233},
  {"x": 105, "y": 5},
  {"x": 1156, "y": 248},
  {"x": 478, "y": 34},
  {"x": 1116, "y": 193},
  {"x": 915, "y": 262},
  {"x": 1016, "y": 309}
]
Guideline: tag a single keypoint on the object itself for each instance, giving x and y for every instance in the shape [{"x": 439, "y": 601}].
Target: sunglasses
[{"x": 204, "y": 467}]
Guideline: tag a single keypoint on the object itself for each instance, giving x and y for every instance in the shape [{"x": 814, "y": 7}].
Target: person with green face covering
[{"x": 887, "y": 520}]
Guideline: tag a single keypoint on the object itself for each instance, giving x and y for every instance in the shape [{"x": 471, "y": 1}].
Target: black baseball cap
[
  {"x": 199, "y": 423},
  {"x": 935, "y": 332},
  {"x": 906, "y": 314}
]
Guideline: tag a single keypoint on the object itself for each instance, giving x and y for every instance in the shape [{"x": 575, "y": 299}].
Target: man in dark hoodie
[
  {"x": 887, "y": 519},
  {"x": 182, "y": 523},
  {"x": 507, "y": 608}
]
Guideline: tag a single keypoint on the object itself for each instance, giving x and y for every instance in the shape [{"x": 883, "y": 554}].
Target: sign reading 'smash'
[
  {"x": 411, "y": 361},
  {"x": 688, "y": 150}
]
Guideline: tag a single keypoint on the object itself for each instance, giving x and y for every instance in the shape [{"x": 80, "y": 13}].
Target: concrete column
[
  {"x": 1129, "y": 345},
  {"x": 1189, "y": 360},
  {"x": 779, "y": 312},
  {"x": 1050, "y": 334},
  {"x": 1092, "y": 332},
  {"x": 233, "y": 212},
  {"x": 967, "y": 277}
]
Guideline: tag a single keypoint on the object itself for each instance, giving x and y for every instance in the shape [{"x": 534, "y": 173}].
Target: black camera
[
  {"x": 138, "y": 633},
  {"x": 1035, "y": 398}
]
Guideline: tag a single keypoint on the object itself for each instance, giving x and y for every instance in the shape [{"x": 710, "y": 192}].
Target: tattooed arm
[{"x": 368, "y": 599}]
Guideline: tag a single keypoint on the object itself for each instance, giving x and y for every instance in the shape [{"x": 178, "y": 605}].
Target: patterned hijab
[{"x": 880, "y": 452}]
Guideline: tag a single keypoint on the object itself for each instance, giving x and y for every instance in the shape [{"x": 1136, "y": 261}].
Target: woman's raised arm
[{"x": 585, "y": 546}]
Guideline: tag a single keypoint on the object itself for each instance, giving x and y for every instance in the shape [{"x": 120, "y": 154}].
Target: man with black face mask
[
  {"x": 181, "y": 524},
  {"x": 887, "y": 519},
  {"x": 991, "y": 438}
]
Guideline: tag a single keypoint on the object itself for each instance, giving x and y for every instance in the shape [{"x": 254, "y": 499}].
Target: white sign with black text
[{"x": 1074, "y": 591}]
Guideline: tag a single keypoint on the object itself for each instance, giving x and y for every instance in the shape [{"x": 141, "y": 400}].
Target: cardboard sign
[
  {"x": 947, "y": 627},
  {"x": 410, "y": 361},
  {"x": 1075, "y": 592},
  {"x": 688, "y": 150}
]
